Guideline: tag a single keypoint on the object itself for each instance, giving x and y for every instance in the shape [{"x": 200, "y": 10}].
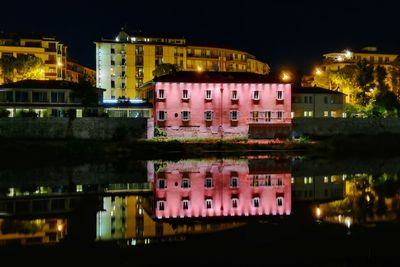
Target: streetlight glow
[{"x": 285, "y": 76}]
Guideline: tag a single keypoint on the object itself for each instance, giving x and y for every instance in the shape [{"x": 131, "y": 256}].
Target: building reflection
[{"x": 220, "y": 188}]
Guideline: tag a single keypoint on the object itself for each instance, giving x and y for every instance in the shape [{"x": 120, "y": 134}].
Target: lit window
[
  {"x": 256, "y": 202},
  {"x": 280, "y": 115},
  {"x": 235, "y": 202},
  {"x": 185, "y": 183},
  {"x": 185, "y": 94},
  {"x": 185, "y": 204},
  {"x": 255, "y": 181},
  {"x": 208, "y": 115},
  {"x": 208, "y": 182},
  {"x": 326, "y": 113},
  {"x": 279, "y": 95},
  {"x": 308, "y": 113},
  {"x": 254, "y": 116},
  {"x": 234, "y": 115},
  {"x": 208, "y": 94},
  {"x": 234, "y": 182},
  {"x": 234, "y": 95},
  {"x": 161, "y": 115},
  {"x": 162, "y": 183},
  {"x": 326, "y": 179},
  {"x": 161, "y": 205},
  {"x": 209, "y": 203},
  {"x": 161, "y": 94},
  {"x": 279, "y": 201},
  {"x": 255, "y": 95},
  {"x": 185, "y": 115},
  {"x": 333, "y": 114}
]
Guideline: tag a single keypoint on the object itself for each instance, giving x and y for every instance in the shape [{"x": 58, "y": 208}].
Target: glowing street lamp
[
  {"x": 318, "y": 71},
  {"x": 285, "y": 76},
  {"x": 199, "y": 69}
]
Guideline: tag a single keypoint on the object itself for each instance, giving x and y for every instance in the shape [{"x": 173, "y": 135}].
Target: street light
[{"x": 285, "y": 76}]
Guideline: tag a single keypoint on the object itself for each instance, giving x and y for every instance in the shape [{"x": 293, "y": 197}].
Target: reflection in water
[
  {"x": 369, "y": 199},
  {"x": 175, "y": 199}
]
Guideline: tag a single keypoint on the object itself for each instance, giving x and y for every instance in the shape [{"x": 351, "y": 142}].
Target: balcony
[{"x": 261, "y": 120}]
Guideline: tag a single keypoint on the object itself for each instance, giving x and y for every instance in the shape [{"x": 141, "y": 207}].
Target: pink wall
[
  {"x": 221, "y": 193},
  {"x": 197, "y": 126}
]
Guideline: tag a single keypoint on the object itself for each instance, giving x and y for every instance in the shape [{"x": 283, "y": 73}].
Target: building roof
[
  {"x": 314, "y": 90},
  {"x": 43, "y": 84},
  {"x": 216, "y": 77}
]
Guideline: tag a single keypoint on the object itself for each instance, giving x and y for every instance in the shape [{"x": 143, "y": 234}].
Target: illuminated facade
[
  {"x": 51, "y": 51},
  {"x": 335, "y": 61},
  {"x": 315, "y": 102},
  {"x": 76, "y": 71},
  {"x": 221, "y": 104},
  {"x": 126, "y": 62},
  {"x": 220, "y": 189}
]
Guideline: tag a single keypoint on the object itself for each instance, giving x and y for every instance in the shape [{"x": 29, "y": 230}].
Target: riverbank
[{"x": 37, "y": 151}]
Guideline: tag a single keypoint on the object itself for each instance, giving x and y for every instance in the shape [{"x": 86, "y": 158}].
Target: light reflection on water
[{"x": 177, "y": 199}]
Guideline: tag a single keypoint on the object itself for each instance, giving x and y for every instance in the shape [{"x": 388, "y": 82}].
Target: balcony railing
[{"x": 268, "y": 120}]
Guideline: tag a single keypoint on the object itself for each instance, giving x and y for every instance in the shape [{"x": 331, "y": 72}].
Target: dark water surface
[{"x": 250, "y": 211}]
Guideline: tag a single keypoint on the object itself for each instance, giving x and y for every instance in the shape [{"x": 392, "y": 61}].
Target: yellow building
[
  {"x": 335, "y": 61},
  {"x": 76, "y": 71},
  {"x": 51, "y": 51},
  {"x": 316, "y": 102},
  {"x": 126, "y": 62}
]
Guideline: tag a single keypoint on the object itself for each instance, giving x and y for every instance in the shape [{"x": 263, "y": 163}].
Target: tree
[
  {"x": 165, "y": 68},
  {"x": 21, "y": 68}
]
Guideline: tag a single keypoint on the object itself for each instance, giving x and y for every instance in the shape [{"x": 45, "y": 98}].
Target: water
[{"x": 260, "y": 210}]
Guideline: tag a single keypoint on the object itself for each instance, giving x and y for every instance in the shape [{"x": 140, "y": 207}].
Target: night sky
[{"x": 282, "y": 33}]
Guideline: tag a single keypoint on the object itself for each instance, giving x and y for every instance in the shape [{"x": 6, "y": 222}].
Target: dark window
[
  {"x": 39, "y": 97},
  {"x": 57, "y": 97},
  {"x": 21, "y": 96}
]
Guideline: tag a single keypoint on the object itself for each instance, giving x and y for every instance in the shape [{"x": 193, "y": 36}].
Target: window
[
  {"x": 256, "y": 202},
  {"x": 185, "y": 183},
  {"x": 254, "y": 181},
  {"x": 185, "y": 115},
  {"x": 306, "y": 99},
  {"x": 279, "y": 182},
  {"x": 255, "y": 95},
  {"x": 280, "y": 115},
  {"x": 326, "y": 113},
  {"x": 21, "y": 96},
  {"x": 279, "y": 95},
  {"x": 208, "y": 182},
  {"x": 112, "y": 84},
  {"x": 268, "y": 180},
  {"x": 112, "y": 50},
  {"x": 209, "y": 203},
  {"x": 39, "y": 97},
  {"x": 267, "y": 116},
  {"x": 57, "y": 97},
  {"x": 185, "y": 204},
  {"x": 234, "y": 182},
  {"x": 208, "y": 94},
  {"x": 162, "y": 183},
  {"x": 310, "y": 99},
  {"x": 308, "y": 113},
  {"x": 333, "y": 114},
  {"x": 234, "y": 95},
  {"x": 185, "y": 94},
  {"x": 254, "y": 116},
  {"x": 208, "y": 115},
  {"x": 234, "y": 115},
  {"x": 161, "y": 94},
  {"x": 279, "y": 201},
  {"x": 161, "y": 115},
  {"x": 325, "y": 100},
  {"x": 161, "y": 205},
  {"x": 326, "y": 179},
  {"x": 234, "y": 202}
]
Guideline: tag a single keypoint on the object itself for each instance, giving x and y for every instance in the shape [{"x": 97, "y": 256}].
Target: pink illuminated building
[
  {"x": 219, "y": 104},
  {"x": 190, "y": 189}
]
